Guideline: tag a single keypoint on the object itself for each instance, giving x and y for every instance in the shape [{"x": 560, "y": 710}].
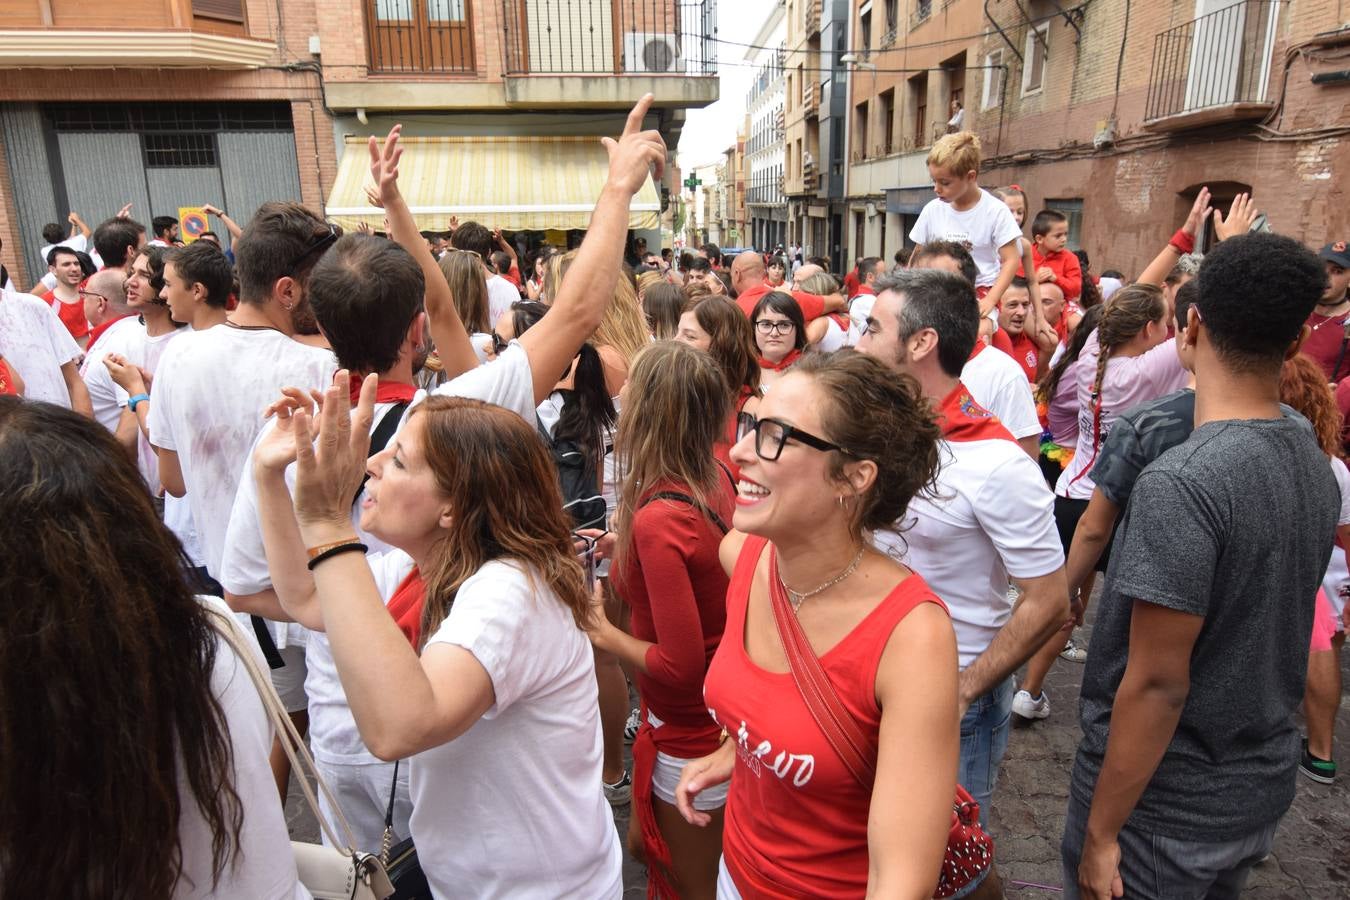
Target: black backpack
[{"x": 578, "y": 476}]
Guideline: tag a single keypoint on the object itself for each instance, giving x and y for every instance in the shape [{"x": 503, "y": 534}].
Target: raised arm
[
  {"x": 589, "y": 286},
  {"x": 447, "y": 331},
  {"x": 77, "y": 225},
  {"x": 1167, "y": 257},
  {"x": 230, "y": 224}
]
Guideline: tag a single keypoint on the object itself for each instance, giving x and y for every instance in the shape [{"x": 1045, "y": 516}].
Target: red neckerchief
[
  {"x": 387, "y": 392},
  {"x": 962, "y": 419},
  {"x": 406, "y": 606},
  {"x": 783, "y": 364},
  {"x": 99, "y": 329}
]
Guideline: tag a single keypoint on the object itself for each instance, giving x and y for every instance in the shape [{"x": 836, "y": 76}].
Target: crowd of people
[{"x": 463, "y": 502}]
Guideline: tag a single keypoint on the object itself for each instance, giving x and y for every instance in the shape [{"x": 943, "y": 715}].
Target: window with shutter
[{"x": 225, "y": 10}]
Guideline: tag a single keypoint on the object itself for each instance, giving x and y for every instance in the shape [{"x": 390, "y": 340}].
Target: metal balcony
[
  {"x": 613, "y": 37},
  {"x": 1213, "y": 69}
]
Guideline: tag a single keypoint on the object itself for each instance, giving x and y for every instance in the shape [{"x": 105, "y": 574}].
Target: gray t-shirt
[
  {"x": 1235, "y": 525},
  {"x": 1142, "y": 434}
]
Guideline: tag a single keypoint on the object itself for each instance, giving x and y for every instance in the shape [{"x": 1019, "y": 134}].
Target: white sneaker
[
  {"x": 1073, "y": 653},
  {"x": 630, "y": 728},
  {"x": 1029, "y": 707},
  {"x": 621, "y": 792}
]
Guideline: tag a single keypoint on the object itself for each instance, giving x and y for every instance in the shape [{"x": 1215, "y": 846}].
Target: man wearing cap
[{"x": 1329, "y": 324}]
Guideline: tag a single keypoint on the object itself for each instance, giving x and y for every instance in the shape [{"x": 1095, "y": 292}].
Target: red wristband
[{"x": 1183, "y": 242}]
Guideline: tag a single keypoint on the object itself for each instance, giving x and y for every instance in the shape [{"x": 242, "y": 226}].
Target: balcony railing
[
  {"x": 420, "y": 36},
  {"x": 1215, "y": 62},
  {"x": 617, "y": 37},
  {"x": 811, "y": 98},
  {"x": 812, "y": 17}
]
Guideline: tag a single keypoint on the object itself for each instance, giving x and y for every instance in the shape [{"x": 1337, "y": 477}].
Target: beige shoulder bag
[{"x": 339, "y": 872}]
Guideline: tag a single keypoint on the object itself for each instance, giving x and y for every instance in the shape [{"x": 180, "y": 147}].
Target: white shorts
[
  {"x": 289, "y": 680},
  {"x": 362, "y": 793},
  {"x": 726, "y": 888},
  {"x": 666, "y": 778}
]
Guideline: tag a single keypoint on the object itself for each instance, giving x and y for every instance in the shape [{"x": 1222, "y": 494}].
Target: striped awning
[{"x": 513, "y": 183}]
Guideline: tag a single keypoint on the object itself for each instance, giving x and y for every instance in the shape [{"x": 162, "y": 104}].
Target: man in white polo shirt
[{"x": 991, "y": 516}]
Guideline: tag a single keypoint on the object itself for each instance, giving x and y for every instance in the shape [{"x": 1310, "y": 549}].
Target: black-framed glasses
[
  {"x": 772, "y": 434},
  {"x": 768, "y": 326},
  {"x": 83, "y": 294},
  {"x": 320, "y": 242}
]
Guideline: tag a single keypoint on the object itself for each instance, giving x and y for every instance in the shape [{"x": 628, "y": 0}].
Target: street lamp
[{"x": 851, "y": 59}]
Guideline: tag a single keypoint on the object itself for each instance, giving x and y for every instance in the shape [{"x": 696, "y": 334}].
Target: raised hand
[
  {"x": 1200, "y": 210},
  {"x": 331, "y": 462},
  {"x": 1241, "y": 214},
  {"x": 637, "y": 153},
  {"x": 276, "y": 448},
  {"x": 124, "y": 212},
  {"x": 373, "y": 196},
  {"x": 384, "y": 165}
]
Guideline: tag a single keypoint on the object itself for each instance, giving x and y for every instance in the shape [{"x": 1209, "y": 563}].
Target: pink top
[
  {"x": 1062, "y": 411},
  {"x": 1129, "y": 381}
]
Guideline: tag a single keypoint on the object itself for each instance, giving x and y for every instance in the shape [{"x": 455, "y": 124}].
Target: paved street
[{"x": 1312, "y": 848}]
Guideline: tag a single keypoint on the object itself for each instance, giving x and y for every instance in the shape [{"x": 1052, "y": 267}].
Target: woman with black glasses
[
  {"x": 839, "y": 448},
  {"x": 780, "y": 335}
]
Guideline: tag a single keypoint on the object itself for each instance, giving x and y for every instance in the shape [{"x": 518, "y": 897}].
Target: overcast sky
[{"x": 710, "y": 131}]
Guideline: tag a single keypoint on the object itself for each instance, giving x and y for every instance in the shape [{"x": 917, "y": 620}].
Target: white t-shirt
[
  {"x": 514, "y": 806},
  {"x": 35, "y": 343},
  {"x": 991, "y": 516},
  {"x": 983, "y": 228},
  {"x": 209, "y": 396},
  {"x": 501, "y": 294},
  {"x": 1337, "y": 575},
  {"x": 103, "y": 391},
  {"x": 332, "y": 730},
  {"x": 998, "y": 384},
  {"x": 266, "y": 868}
]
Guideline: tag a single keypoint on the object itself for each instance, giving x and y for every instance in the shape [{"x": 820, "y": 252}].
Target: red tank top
[{"x": 796, "y": 819}]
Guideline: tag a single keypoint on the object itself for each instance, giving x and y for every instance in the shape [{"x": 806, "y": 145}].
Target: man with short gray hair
[{"x": 990, "y": 517}]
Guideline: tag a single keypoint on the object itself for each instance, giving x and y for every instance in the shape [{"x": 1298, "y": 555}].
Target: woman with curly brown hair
[
  {"x": 840, "y": 447},
  {"x": 149, "y": 741}
]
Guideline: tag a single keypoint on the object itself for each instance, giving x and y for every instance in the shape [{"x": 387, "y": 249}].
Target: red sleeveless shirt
[{"x": 796, "y": 819}]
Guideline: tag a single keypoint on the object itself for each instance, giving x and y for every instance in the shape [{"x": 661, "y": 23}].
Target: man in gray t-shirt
[{"x": 1189, "y": 749}]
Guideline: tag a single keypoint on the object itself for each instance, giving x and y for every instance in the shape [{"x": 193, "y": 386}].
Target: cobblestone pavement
[{"x": 1312, "y": 848}]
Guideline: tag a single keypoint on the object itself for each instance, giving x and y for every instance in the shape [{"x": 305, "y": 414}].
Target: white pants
[{"x": 362, "y": 792}]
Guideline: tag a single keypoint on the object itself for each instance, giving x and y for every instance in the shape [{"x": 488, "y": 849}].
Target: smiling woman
[{"x": 839, "y": 448}]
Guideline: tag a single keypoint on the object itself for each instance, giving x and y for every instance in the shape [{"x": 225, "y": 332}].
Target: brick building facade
[
  {"x": 330, "y": 69},
  {"x": 1118, "y": 112}
]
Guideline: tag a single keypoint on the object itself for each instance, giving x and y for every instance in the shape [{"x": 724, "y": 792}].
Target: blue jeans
[
  {"x": 1153, "y": 866},
  {"x": 984, "y": 739}
]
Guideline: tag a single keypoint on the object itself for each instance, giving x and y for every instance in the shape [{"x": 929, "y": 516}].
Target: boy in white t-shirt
[{"x": 967, "y": 214}]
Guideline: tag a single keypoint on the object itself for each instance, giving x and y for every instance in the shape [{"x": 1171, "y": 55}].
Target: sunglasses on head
[{"x": 321, "y": 241}]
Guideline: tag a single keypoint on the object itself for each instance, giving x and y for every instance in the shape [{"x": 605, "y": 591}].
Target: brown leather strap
[{"x": 839, "y": 726}]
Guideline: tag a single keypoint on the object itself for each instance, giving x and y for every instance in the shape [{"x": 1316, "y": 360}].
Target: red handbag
[{"x": 970, "y": 851}]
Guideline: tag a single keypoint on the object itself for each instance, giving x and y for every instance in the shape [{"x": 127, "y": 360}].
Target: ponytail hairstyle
[
  {"x": 588, "y": 411},
  {"x": 463, "y": 272},
  {"x": 1127, "y": 313},
  {"x": 1049, "y": 384}
]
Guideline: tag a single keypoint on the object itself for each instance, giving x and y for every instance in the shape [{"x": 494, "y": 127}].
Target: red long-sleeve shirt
[
  {"x": 674, "y": 584},
  {"x": 1068, "y": 273}
]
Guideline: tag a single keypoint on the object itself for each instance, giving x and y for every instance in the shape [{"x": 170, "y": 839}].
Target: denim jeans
[
  {"x": 1153, "y": 866},
  {"x": 984, "y": 739}
]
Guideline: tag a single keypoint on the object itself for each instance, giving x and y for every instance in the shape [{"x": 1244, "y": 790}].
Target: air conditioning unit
[{"x": 647, "y": 52}]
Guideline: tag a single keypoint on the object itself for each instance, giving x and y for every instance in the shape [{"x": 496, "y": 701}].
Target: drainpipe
[{"x": 1001, "y": 33}]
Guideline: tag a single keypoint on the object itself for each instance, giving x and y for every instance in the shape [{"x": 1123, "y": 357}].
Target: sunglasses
[
  {"x": 499, "y": 343},
  {"x": 320, "y": 242},
  {"x": 772, "y": 434}
]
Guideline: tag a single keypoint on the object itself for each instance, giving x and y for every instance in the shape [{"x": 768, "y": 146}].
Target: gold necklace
[{"x": 798, "y": 598}]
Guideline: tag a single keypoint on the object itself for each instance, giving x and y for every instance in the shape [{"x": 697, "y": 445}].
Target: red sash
[{"x": 406, "y": 606}]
